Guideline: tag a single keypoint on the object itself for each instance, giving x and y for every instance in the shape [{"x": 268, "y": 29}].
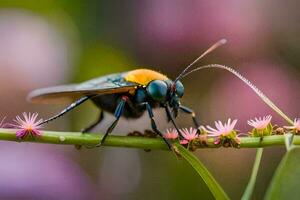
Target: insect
[{"x": 127, "y": 94}]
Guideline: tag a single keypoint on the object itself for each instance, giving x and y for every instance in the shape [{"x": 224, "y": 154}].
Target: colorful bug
[{"x": 127, "y": 94}]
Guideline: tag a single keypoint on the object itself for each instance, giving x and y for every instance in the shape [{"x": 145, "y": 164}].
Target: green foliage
[
  {"x": 36, "y": 6},
  {"x": 206, "y": 176},
  {"x": 285, "y": 183},
  {"x": 99, "y": 59}
]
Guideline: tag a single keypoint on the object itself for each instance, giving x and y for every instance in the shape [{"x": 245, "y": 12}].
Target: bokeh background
[{"x": 52, "y": 42}]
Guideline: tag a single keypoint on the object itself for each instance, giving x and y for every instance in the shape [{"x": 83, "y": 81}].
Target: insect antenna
[
  {"x": 210, "y": 49},
  {"x": 248, "y": 83}
]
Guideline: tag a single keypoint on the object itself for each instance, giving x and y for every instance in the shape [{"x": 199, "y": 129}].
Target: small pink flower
[
  {"x": 189, "y": 134},
  {"x": 295, "y": 126},
  {"x": 184, "y": 141},
  {"x": 221, "y": 130},
  {"x": 27, "y": 126},
  {"x": 260, "y": 123},
  {"x": 171, "y": 134}
]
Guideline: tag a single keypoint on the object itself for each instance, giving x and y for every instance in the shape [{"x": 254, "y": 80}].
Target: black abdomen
[{"x": 109, "y": 103}]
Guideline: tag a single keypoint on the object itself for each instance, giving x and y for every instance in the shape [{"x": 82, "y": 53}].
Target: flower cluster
[
  {"x": 185, "y": 136},
  {"x": 225, "y": 134}
]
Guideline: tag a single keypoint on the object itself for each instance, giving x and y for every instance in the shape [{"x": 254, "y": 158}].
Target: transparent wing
[{"x": 67, "y": 93}]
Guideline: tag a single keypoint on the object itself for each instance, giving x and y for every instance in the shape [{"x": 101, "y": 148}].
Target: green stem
[
  {"x": 250, "y": 187},
  {"x": 77, "y": 138}
]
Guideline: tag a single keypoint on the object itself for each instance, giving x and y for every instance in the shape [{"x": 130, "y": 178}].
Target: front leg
[
  {"x": 154, "y": 126},
  {"x": 171, "y": 118},
  {"x": 192, "y": 113}
]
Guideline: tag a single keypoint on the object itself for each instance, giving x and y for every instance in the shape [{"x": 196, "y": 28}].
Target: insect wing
[{"x": 110, "y": 84}]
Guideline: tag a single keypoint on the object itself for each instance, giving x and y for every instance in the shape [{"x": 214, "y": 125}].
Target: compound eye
[
  {"x": 179, "y": 89},
  {"x": 157, "y": 90}
]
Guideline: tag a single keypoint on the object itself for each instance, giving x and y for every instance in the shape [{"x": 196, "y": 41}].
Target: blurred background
[{"x": 52, "y": 42}]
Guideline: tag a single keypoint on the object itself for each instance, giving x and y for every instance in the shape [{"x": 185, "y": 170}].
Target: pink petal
[
  {"x": 21, "y": 133},
  {"x": 36, "y": 132},
  {"x": 217, "y": 141},
  {"x": 184, "y": 141}
]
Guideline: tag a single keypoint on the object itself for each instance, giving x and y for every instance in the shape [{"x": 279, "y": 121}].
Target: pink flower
[
  {"x": 260, "y": 123},
  {"x": 171, "y": 134},
  {"x": 222, "y": 130},
  {"x": 295, "y": 126},
  {"x": 27, "y": 126},
  {"x": 189, "y": 134},
  {"x": 184, "y": 141}
]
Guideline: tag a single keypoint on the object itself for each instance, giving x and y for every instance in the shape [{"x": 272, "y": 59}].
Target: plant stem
[
  {"x": 77, "y": 138},
  {"x": 250, "y": 187}
]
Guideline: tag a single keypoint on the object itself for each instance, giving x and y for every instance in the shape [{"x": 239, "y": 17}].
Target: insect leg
[
  {"x": 117, "y": 114},
  {"x": 67, "y": 109},
  {"x": 192, "y": 113},
  {"x": 169, "y": 115},
  {"x": 153, "y": 125},
  {"x": 91, "y": 126}
]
